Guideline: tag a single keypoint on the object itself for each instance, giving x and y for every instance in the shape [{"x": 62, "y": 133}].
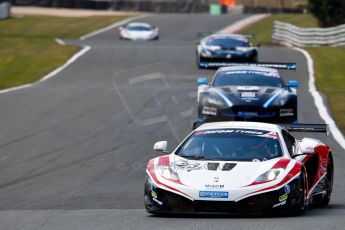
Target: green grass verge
[
  {"x": 330, "y": 77},
  {"x": 28, "y": 48},
  {"x": 264, "y": 28}
]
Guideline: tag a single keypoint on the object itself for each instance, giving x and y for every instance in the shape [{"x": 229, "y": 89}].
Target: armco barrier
[
  {"x": 290, "y": 34},
  {"x": 5, "y": 10}
]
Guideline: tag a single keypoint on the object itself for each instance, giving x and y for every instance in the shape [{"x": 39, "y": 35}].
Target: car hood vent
[
  {"x": 212, "y": 166},
  {"x": 269, "y": 90},
  {"x": 228, "y": 166}
]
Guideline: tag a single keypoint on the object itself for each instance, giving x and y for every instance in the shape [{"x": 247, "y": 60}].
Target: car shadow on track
[{"x": 313, "y": 211}]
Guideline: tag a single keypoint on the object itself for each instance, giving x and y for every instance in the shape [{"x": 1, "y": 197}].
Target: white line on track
[
  {"x": 319, "y": 103},
  {"x": 51, "y": 74},
  {"x": 322, "y": 108},
  {"x": 70, "y": 61},
  {"x": 242, "y": 23},
  {"x": 112, "y": 26},
  {"x": 61, "y": 42},
  {"x": 75, "y": 56}
]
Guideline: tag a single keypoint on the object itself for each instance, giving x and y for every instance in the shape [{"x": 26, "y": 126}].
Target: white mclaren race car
[
  {"x": 241, "y": 167},
  {"x": 138, "y": 31}
]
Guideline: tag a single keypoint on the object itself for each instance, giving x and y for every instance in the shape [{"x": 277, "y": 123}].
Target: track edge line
[
  {"x": 318, "y": 101},
  {"x": 112, "y": 26}
]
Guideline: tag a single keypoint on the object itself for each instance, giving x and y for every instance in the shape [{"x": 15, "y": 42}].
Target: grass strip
[{"x": 28, "y": 49}]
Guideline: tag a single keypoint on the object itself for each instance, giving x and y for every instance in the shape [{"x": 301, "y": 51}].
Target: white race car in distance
[
  {"x": 241, "y": 167},
  {"x": 138, "y": 31}
]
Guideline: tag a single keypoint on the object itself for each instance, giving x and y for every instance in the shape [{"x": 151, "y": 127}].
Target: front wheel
[
  {"x": 297, "y": 199},
  {"x": 254, "y": 59}
]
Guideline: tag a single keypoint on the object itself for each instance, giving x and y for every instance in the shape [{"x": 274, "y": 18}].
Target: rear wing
[
  {"x": 307, "y": 128},
  {"x": 274, "y": 65},
  {"x": 205, "y": 34}
]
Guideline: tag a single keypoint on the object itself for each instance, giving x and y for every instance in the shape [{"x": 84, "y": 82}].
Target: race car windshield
[
  {"x": 138, "y": 28},
  {"x": 242, "y": 79},
  {"x": 226, "y": 43},
  {"x": 231, "y": 145}
]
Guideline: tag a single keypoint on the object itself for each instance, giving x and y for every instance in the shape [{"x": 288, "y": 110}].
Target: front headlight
[
  {"x": 270, "y": 175},
  {"x": 243, "y": 49},
  {"x": 216, "y": 101},
  {"x": 213, "y": 48},
  {"x": 280, "y": 101},
  {"x": 206, "y": 53},
  {"x": 167, "y": 172}
]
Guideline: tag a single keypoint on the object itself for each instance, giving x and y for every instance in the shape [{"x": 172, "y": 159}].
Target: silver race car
[{"x": 138, "y": 31}]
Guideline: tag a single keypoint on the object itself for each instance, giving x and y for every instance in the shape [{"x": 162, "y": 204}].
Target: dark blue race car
[
  {"x": 226, "y": 48},
  {"x": 247, "y": 93}
]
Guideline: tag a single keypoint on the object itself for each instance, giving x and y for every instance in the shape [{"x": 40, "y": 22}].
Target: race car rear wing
[
  {"x": 205, "y": 34},
  {"x": 274, "y": 65},
  {"x": 307, "y": 128}
]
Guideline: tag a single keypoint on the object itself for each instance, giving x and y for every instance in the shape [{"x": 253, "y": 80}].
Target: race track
[{"x": 73, "y": 149}]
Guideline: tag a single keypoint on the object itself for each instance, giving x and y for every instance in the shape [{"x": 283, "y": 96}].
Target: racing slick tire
[
  {"x": 254, "y": 58},
  {"x": 198, "y": 60},
  {"x": 322, "y": 200},
  {"x": 297, "y": 201}
]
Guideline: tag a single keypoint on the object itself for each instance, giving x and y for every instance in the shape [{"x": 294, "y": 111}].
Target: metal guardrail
[
  {"x": 290, "y": 34},
  {"x": 5, "y": 10}
]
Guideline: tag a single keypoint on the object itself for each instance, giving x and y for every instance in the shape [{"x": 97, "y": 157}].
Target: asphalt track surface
[{"x": 73, "y": 149}]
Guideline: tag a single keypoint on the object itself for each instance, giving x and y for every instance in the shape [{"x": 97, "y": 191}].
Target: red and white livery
[{"x": 241, "y": 167}]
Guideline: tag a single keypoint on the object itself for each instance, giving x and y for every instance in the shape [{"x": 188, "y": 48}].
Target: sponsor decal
[
  {"x": 272, "y": 135},
  {"x": 214, "y": 186},
  {"x": 248, "y": 114},
  {"x": 287, "y": 189},
  {"x": 154, "y": 194},
  {"x": 236, "y": 131},
  {"x": 286, "y": 112},
  {"x": 157, "y": 201},
  {"x": 188, "y": 166},
  {"x": 254, "y": 72},
  {"x": 283, "y": 197},
  {"x": 279, "y": 204},
  {"x": 213, "y": 194},
  {"x": 250, "y": 99},
  {"x": 209, "y": 111},
  {"x": 248, "y": 94}
]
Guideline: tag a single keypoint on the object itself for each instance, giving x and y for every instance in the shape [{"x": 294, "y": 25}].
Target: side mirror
[
  {"x": 307, "y": 145},
  {"x": 202, "y": 81},
  {"x": 160, "y": 146},
  {"x": 293, "y": 84},
  {"x": 306, "y": 149}
]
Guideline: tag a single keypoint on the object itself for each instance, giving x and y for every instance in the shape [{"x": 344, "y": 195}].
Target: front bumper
[
  {"x": 229, "y": 56},
  {"x": 158, "y": 200},
  {"x": 251, "y": 113}
]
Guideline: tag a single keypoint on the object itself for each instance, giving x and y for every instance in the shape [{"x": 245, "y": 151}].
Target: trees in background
[{"x": 328, "y": 12}]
